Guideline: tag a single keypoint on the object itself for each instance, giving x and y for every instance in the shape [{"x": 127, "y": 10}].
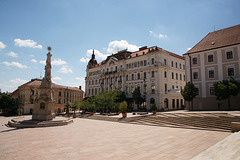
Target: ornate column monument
[{"x": 44, "y": 105}]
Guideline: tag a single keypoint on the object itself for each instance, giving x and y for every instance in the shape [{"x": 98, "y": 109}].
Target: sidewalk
[{"x": 103, "y": 140}]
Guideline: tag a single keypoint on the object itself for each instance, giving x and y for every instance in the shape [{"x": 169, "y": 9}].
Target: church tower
[{"x": 92, "y": 62}]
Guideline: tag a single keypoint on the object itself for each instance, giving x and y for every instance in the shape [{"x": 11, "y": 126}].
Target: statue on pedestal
[{"x": 44, "y": 104}]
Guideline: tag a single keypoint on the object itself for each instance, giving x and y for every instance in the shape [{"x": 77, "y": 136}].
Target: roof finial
[
  {"x": 93, "y": 55},
  {"x": 49, "y": 49}
]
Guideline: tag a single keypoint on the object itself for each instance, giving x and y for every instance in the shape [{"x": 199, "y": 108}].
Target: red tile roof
[
  {"x": 37, "y": 83},
  {"x": 145, "y": 50},
  {"x": 134, "y": 54},
  {"x": 221, "y": 38}
]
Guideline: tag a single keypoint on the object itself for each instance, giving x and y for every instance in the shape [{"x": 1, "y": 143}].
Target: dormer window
[{"x": 136, "y": 55}]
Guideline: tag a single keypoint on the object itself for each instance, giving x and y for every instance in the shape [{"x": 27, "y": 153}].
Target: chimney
[
  {"x": 142, "y": 48},
  {"x": 80, "y": 87}
]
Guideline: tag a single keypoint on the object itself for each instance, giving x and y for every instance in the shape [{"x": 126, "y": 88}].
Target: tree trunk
[{"x": 229, "y": 107}]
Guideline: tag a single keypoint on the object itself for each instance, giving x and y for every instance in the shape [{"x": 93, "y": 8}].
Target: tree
[
  {"x": 75, "y": 105},
  {"x": 88, "y": 104},
  {"x": 6, "y": 104},
  {"x": 106, "y": 100},
  {"x": 136, "y": 96},
  {"x": 226, "y": 89},
  {"x": 189, "y": 93},
  {"x": 67, "y": 105}
]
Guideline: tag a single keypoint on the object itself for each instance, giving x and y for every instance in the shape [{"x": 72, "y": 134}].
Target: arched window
[
  {"x": 166, "y": 103},
  {"x": 152, "y": 100},
  {"x": 42, "y": 105},
  {"x": 138, "y": 75}
]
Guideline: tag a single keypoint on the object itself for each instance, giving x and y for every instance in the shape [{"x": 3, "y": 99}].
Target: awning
[{"x": 58, "y": 107}]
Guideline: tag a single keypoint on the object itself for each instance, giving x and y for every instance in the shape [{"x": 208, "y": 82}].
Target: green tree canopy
[
  {"x": 226, "y": 89},
  {"x": 138, "y": 99},
  {"x": 189, "y": 92}
]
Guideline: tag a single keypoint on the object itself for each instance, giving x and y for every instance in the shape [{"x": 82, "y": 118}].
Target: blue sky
[{"x": 73, "y": 28}]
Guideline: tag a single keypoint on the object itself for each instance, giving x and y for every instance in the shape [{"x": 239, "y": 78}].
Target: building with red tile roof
[
  {"x": 158, "y": 73},
  {"x": 29, "y": 91},
  {"x": 215, "y": 58}
]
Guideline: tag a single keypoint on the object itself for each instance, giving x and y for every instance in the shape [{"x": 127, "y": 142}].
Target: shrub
[
  {"x": 123, "y": 107},
  {"x": 153, "y": 107}
]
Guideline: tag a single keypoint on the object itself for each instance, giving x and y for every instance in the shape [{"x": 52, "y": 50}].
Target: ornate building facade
[
  {"x": 30, "y": 91},
  {"x": 159, "y": 74},
  {"x": 215, "y": 58}
]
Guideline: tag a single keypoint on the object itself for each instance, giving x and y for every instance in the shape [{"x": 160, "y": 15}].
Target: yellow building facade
[{"x": 29, "y": 92}]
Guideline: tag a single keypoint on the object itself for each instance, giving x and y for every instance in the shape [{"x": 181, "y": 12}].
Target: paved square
[{"x": 93, "y": 139}]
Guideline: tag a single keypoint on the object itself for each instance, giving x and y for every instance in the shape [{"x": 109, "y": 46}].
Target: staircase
[{"x": 206, "y": 121}]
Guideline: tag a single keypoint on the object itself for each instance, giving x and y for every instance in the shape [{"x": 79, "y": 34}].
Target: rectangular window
[
  {"x": 127, "y": 90},
  {"x": 172, "y": 75},
  {"x": 165, "y": 62},
  {"x": 176, "y": 76},
  {"x": 129, "y": 65},
  {"x": 132, "y": 76},
  {"x": 145, "y": 62},
  {"x": 195, "y": 75},
  {"x": 138, "y": 64},
  {"x": 141, "y": 63},
  {"x": 194, "y": 60},
  {"x": 165, "y": 74},
  {"x": 145, "y": 75},
  {"x": 152, "y": 60},
  {"x": 229, "y": 55},
  {"x": 180, "y": 66},
  {"x": 152, "y": 73},
  {"x": 176, "y": 65},
  {"x": 211, "y": 90},
  {"x": 211, "y": 73},
  {"x": 210, "y": 58},
  {"x": 145, "y": 88},
  {"x": 165, "y": 88},
  {"x": 180, "y": 76},
  {"x": 153, "y": 89},
  {"x": 132, "y": 65},
  {"x": 127, "y": 77},
  {"x": 197, "y": 91},
  {"x": 230, "y": 71},
  {"x": 172, "y": 63}
]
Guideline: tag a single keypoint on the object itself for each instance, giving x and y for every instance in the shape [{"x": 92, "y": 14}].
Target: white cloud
[
  {"x": 12, "y": 54},
  {"x": 58, "y": 62},
  {"x": 34, "y": 60},
  {"x": 13, "y": 84},
  {"x": 32, "y": 55},
  {"x": 17, "y": 81},
  {"x": 153, "y": 34},
  {"x": 162, "y": 36},
  {"x": 27, "y": 43},
  {"x": 115, "y": 46},
  {"x": 189, "y": 49},
  {"x": 98, "y": 54},
  {"x": 2, "y": 45},
  {"x": 84, "y": 60},
  {"x": 42, "y": 62},
  {"x": 15, "y": 64},
  {"x": 56, "y": 78},
  {"x": 65, "y": 69}
]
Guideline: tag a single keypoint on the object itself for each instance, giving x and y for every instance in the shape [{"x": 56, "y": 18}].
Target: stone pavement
[{"x": 103, "y": 140}]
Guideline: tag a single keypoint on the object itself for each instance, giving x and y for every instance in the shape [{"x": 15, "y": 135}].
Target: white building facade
[
  {"x": 158, "y": 73},
  {"x": 215, "y": 58}
]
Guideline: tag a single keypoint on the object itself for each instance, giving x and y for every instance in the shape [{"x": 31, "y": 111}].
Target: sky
[{"x": 73, "y": 28}]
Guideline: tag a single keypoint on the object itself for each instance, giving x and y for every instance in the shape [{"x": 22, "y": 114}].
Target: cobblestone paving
[{"x": 103, "y": 140}]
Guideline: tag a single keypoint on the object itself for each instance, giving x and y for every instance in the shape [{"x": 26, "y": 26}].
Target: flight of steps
[{"x": 208, "y": 121}]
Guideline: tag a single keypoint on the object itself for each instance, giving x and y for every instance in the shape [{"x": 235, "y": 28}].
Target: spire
[{"x": 93, "y": 55}]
